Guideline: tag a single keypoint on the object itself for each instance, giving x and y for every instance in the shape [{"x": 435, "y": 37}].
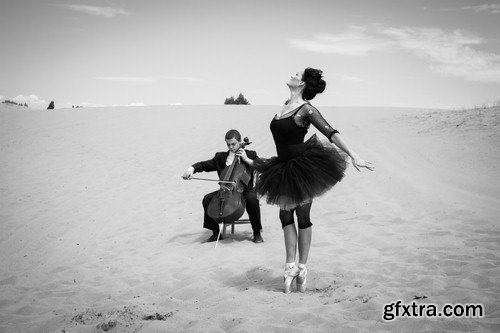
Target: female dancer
[{"x": 302, "y": 170}]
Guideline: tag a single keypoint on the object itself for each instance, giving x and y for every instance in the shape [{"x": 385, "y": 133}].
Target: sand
[{"x": 99, "y": 232}]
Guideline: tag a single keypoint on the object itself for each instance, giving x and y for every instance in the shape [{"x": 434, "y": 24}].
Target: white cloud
[
  {"x": 183, "y": 78},
  {"x": 107, "y": 12},
  {"x": 448, "y": 53},
  {"x": 32, "y": 100},
  {"x": 492, "y": 8},
  {"x": 147, "y": 79},
  {"x": 126, "y": 78},
  {"x": 190, "y": 79},
  {"x": 353, "y": 42},
  {"x": 349, "y": 78},
  {"x": 91, "y": 105},
  {"x": 1, "y": 97},
  {"x": 87, "y": 105},
  {"x": 343, "y": 94},
  {"x": 131, "y": 104},
  {"x": 260, "y": 92}
]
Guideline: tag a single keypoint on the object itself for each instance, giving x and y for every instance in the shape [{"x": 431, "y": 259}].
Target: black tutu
[{"x": 297, "y": 180}]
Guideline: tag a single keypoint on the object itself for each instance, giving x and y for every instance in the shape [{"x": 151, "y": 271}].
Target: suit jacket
[{"x": 218, "y": 163}]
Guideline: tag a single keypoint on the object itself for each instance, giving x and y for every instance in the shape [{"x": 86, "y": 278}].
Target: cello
[{"x": 229, "y": 204}]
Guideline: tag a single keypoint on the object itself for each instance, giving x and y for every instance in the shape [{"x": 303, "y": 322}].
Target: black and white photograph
[{"x": 249, "y": 166}]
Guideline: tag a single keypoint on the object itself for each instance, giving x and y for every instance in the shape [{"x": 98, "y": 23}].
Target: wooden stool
[{"x": 240, "y": 221}]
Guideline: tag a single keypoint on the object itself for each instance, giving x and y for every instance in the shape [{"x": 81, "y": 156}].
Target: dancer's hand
[
  {"x": 189, "y": 172},
  {"x": 358, "y": 162}
]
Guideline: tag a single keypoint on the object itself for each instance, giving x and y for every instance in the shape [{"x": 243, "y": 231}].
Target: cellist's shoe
[
  {"x": 257, "y": 238},
  {"x": 302, "y": 279},
  {"x": 213, "y": 238},
  {"x": 290, "y": 275}
]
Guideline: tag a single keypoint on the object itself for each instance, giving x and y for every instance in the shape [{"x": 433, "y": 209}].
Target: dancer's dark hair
[{"x": 314, "y": 83}]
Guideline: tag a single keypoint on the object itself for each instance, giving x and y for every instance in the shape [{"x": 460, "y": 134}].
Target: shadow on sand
[
  {"x": 189, "y": 238},
  {"x": 256, "y": 278}
]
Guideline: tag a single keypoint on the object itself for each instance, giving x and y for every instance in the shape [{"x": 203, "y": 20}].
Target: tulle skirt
[{"x": 296, "y": 180}]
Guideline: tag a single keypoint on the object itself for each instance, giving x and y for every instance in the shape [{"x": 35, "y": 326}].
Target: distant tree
[
  {"x": 240, "y": 100},
  {"x": 51, "y": 106},
  {"x": 229, "y": 100},
  {"x": 8, "y": 101}
]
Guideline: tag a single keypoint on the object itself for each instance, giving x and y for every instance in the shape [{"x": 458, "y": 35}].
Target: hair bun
[
  {"x": 320, "y": 87},
  {"x": 314, "y": 83}
]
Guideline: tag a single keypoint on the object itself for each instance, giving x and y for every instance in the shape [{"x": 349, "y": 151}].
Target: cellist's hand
[
  {"x": 243, "y": 154},
  {"x": 189, "y": 172}
]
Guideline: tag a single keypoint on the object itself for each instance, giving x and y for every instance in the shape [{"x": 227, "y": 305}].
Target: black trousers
[{"x": 252, "y": 207}]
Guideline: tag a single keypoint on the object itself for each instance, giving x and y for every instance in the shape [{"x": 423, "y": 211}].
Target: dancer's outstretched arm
[{"x": 357, "y": 161}]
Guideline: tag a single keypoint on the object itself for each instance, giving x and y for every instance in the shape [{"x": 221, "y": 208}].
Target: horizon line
[{"x": 477, "y": 106}]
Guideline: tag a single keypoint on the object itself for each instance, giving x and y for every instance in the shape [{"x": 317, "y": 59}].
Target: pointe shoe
[
  {"x": 302, "y": 280},
  {"x": 290, "y": 275}
]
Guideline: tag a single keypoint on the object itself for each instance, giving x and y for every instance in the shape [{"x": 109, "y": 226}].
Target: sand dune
[{"x": 98, "y": 231}]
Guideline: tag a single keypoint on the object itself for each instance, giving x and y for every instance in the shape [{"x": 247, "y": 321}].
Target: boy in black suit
[{"x": 218, "y": 163}]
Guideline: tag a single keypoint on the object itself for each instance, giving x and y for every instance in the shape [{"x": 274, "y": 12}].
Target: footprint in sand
[
  {"x": 337, "y": 288},
  {"x": 365, "y": 217},
  {"x": 10, "y": 280}
]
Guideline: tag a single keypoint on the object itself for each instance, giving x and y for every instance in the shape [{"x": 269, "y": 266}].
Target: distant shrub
[
  {"x": 51, "y": 105},
  {"x": 229, "y": 100},
  {"x": 239, "y": 100},
  {"x": 8, "y": 101}
]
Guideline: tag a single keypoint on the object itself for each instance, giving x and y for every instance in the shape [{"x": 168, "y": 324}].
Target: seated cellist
[{"x": 218, "y": 163}]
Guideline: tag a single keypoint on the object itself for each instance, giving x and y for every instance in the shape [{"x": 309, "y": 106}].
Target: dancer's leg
[
  {"x": 305, "y": 231},
  {"x": 290, "y": 234}
]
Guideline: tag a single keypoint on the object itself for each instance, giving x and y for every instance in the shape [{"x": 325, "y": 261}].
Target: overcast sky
[{"x": 421, "y": 53}]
